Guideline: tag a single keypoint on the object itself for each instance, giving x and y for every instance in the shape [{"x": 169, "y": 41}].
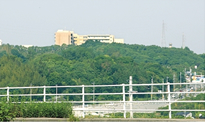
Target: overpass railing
[{"x": 124, "y": 102}]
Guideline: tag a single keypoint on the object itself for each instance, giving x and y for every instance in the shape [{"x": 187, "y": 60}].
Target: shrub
[{"x": 7, "y": 111}]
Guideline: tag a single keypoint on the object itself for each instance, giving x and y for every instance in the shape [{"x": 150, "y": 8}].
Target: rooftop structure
[
  {"x": 71, "y": 38},
  {"x": 170, "y": 45}
]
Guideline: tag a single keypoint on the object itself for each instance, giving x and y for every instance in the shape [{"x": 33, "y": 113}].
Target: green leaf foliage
[{"x": 93, "y": 62}]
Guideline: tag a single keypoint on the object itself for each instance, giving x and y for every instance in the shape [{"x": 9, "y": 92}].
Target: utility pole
[
  {"x": 93, "y": 92},
  {"x": 202, "y": 80},
  {"x": 168, "y": 88},
  {"x": 185, "y": 75},
  {"x": 190, "y": 74},
  {"x": 185, "y": 81},
  {"x": 151, "y": 88},
  {"x": 190, "y": 81},
  {"x": 169, "y": 99},
  {"x": 180, "y": 80},
  {"x": 163, "y": 89},
  {"x": 174, "y": 81},
  {"x": 30, "y": 92}
]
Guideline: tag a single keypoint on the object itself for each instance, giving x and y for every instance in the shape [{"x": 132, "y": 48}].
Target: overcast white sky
[{"x": 34, "y": 22}]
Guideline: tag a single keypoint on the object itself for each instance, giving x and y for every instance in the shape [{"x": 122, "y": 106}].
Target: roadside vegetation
[{"x": 14, "y": 109}]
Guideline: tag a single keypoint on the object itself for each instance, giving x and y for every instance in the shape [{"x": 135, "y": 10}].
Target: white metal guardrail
[{"x": 123, "y": 93}]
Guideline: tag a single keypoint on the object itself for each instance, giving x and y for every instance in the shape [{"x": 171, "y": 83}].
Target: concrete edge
[
  {"x": 137, "y": 119},
  {"x": 106, "y": 119}
]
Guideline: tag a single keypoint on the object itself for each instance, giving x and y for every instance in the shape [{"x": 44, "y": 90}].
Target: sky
[{"x": 34, "y": 22}]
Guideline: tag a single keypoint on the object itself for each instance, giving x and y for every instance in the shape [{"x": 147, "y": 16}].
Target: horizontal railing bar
[
  {"x": 114, "y": 104},
  {"x": 186, "y": 83},
  {"x": 187, "y": 101},
  {"x": 188, "y": 110},
  {"x": 194, "y": 101},
  {"x": 30, "y": 87},
  {"x": 137, "y": 101},
  {"x": 164, "y": 92},
  {"x": 102, "y": 93},
  {"x": 187, "y": 92},
  {"x": 64, "y": 86},
  {"x": 160, "y": 84},
  {"x": 43, "y": 87},
  {"x": 3, "y": 88},
  {"x": 25, "y": 95},
  {"x": 81, "y": 109}
]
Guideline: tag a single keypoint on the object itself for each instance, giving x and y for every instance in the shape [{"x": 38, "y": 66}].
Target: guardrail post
[
  {"x": 7, "y": 94},
  {"x": 124, "y": 106},
  {"x": 44, "y": 93},
  {"x": 56, "y": 93},
  {"x": 131, "y": 97},
  {"x": 83, "y": 99},
  {"x": 169, "y": 99}
]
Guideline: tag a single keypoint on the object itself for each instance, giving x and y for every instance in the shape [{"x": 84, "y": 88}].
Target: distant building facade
[
  {"x": 71, "y": 38},
  {"x": 63, "y": 37},
  {"x": 27, "y": 46}
]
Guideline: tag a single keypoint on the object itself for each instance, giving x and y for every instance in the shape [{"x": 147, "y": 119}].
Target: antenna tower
[
  {"x": 163, "y": 42},
  {"x": 183, "y": 41}
]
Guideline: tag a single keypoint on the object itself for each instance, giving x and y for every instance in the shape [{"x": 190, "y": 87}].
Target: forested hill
[{"x": 97, "y": 62}]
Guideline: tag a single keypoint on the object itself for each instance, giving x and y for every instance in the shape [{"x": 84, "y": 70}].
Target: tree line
[{"x": 93, "y": 62}]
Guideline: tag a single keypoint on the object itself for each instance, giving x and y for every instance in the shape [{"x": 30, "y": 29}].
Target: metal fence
[{"x": 124, "y": 102}]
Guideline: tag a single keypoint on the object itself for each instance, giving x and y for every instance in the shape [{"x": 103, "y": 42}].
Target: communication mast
[
  {"x": 163, "y": 42},
  {"x": 183, "y": 41}
]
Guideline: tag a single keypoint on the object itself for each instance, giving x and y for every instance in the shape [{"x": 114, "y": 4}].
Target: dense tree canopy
[{"x": 97, "y": 62}]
